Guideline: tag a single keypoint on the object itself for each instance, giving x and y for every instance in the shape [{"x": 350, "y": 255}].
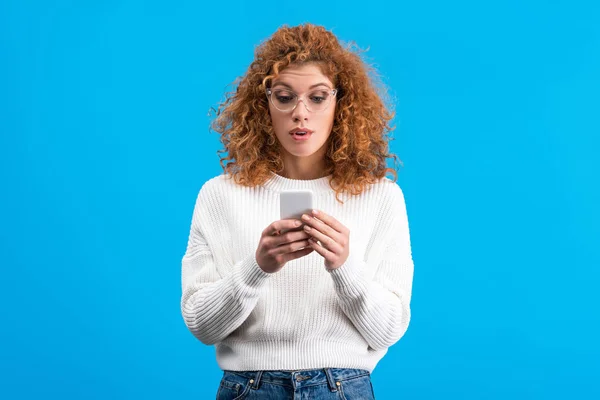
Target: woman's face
[{"x": 302, "y": 80}]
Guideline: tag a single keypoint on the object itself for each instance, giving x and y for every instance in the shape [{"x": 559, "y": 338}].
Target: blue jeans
[{"x": 316, "y": 384}]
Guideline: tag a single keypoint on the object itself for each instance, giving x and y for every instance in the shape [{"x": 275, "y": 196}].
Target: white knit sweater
[{"x": 302, "y": 317}]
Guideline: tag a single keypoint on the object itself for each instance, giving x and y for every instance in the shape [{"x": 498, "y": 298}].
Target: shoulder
[
  {"x": 216, "y": 186},
  {"x": 390, "y": 185},
  {"x": 388, "y": 198},
  {"x": 212, "y": 198},
  {"x": 388, "y": 190}
]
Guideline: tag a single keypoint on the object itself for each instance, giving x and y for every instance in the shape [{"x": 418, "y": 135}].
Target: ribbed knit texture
[{"x": 304, "y": 316}]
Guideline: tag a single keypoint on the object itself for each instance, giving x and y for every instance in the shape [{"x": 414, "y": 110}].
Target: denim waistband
[{"x": 302, "y": 377}]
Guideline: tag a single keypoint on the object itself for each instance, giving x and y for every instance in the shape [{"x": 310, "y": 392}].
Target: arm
[
  {"x": 212, "y": 305},
  {"x": 380, "y": 308}
]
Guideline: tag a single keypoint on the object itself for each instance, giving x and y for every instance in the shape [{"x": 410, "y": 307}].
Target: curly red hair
[{"x": 358, "y": 144}]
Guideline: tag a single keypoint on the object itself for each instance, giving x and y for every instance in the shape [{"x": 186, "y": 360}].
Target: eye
[
  {"x": 319, "y": 97},
  {"x": 283, "y": 96}
]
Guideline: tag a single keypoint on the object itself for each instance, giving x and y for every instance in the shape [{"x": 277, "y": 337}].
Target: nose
[{"x": 300, "y": 112}]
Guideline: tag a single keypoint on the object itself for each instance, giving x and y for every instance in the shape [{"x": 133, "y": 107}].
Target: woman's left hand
[{"x": 334, "y": 238}]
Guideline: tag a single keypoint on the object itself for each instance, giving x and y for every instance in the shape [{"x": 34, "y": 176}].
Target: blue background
[{"x": 104, "y": 144}]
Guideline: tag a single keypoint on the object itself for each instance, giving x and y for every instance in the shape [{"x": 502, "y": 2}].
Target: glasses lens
[
  {"x": 319, "y": 100},
  {"x": 286, "y": 100}
]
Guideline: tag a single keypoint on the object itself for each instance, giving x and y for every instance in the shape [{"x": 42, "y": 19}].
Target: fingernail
[
  {"x": 315, "y": 212},
  {"x": 297, "y": 223}
]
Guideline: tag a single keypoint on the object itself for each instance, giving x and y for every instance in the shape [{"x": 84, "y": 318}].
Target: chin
[{"x": 302, "y": 153}]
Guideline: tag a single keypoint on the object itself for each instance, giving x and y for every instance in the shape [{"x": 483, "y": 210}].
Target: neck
[
  {"x": 303, "y": 175},
  {"x": 303, "y": 168}
]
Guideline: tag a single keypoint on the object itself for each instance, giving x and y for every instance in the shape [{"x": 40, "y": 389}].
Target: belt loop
[
  {"x": 330, "y": 380},
  {"x": 256, "y": 381}
]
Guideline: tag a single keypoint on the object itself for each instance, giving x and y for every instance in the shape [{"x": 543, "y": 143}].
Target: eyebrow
[{"x": 288, "y": 86}]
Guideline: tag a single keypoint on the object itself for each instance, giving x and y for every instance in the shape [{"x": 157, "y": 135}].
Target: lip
[
  {"x": 301, "y": 130},
  {"x": 301, "y": 138}
]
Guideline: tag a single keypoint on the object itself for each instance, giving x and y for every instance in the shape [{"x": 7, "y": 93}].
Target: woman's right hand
[{"x": 275, "y": 249}]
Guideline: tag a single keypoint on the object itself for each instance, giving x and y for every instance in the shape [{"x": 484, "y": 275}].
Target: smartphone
[{"x": 294, "y": 203}]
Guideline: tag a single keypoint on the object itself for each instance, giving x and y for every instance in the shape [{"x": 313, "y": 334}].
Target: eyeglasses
[{"x": 285, "y": 100}]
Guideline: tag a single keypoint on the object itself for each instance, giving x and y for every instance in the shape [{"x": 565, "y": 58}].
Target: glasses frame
[{"x": 299, "y": 99}]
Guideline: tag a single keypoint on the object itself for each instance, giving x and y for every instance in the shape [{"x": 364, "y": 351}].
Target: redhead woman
[{"x": 300, "y": 308}]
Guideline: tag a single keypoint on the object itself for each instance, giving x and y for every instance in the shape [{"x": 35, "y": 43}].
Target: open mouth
[{"x": 301, "y": 133}]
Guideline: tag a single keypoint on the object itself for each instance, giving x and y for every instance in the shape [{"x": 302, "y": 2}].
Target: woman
[{"x": 307, "y": 313}]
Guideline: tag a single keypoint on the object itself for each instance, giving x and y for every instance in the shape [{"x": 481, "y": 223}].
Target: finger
[
  {"x": 297, "y": 254},
  {"x": 283, "y": 225},
  {"x": 329, "y": 220},
  {"x": 291, "y": 247},
  {"x": 326, "y": 241},
  {"x": 320, "y": 249},
  {"x": 321, "y": 227},
  {"x": 290, "y": 237}
]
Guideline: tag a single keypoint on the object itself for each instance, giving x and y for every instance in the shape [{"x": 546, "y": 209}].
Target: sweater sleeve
[
  {"x": 380, "y": 307},
  {"x": 212, "y": 305}
]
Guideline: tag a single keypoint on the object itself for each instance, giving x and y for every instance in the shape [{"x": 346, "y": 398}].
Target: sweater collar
[{"x": 278, "y": 183}]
